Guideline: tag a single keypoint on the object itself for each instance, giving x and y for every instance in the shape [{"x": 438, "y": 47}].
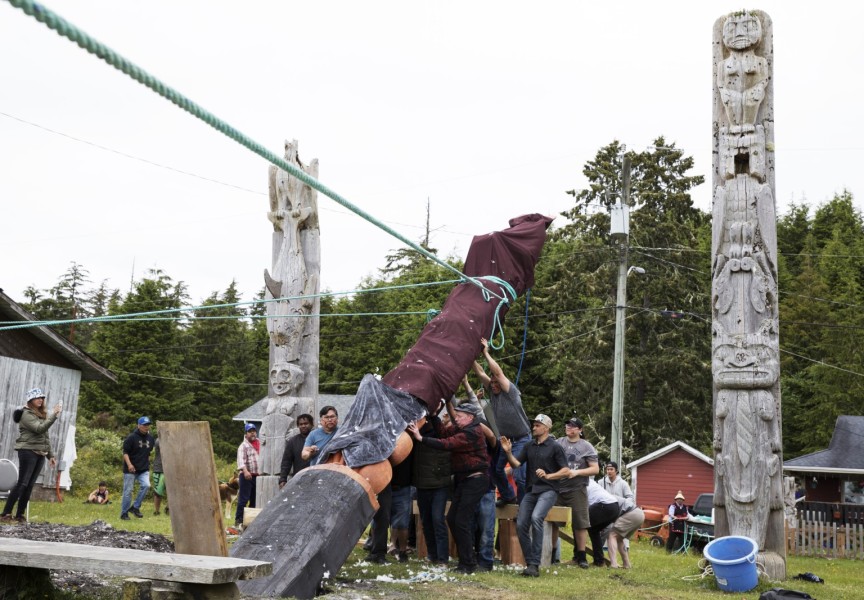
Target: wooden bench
[
  {"x": 511, "y": 551},
  {"x": 203, "y": 576}
]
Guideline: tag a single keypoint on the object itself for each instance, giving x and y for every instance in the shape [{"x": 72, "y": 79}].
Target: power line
[
  {"x": 131, "y": 156},
  {"x": 821, "y": 362}
]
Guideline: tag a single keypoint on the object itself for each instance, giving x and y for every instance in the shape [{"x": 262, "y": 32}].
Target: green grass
[
  {"x": 73, "y": 511},
  {"x": 655, "y": 575}
]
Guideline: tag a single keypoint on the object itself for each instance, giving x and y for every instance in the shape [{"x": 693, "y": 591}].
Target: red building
[{"x": 658, "y": 476}]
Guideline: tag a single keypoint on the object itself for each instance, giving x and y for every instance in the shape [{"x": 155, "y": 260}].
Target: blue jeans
[
  {"x": 129, "y": 480},
  {"x": 432, "y": 504},
  {"x": 400, "y": 509},
  {"x": 518, "y": 474},
  {"x": 245, "y": 495},
  {"x": 485, "y": 516},
  {"x": 529, "y": 523}
]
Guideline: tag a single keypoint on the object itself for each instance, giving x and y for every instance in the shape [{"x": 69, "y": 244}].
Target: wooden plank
[
  {"x": 190, "y": 475},
  {"x": 307, "y": 531},
  {"x": 550, "y": 540},
  {"x": 129, "y": 563},
  {"x": 557, "y": 514},
  {"x": 511, "y": 551}
]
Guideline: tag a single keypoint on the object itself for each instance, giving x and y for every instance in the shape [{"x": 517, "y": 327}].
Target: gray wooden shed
[{"x": 40, "y": 357}]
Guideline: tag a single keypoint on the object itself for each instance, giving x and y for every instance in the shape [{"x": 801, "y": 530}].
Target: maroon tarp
[{"x": 433, "y": 368}]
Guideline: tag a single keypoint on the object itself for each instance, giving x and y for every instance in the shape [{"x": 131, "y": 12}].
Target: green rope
[
  {"x": 64, "y": 28},
  {"x": 506, "y": 289},
  {"x": 133, "y": 316}
]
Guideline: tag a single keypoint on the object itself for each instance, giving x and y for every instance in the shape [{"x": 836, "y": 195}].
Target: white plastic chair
[
  {"x": 8, "y": 477},
  {"x": 8, "y": 480}
]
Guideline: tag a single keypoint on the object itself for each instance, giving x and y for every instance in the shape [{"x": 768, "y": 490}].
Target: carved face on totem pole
[
  {"x": 745, "y": 362},
  {"x": 285, "y": 378},
  {"x": 741, "y": 31}
]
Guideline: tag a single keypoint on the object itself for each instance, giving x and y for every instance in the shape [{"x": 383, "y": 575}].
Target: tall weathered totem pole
[
  {"x": 748, "y": 459},
  {"x": 294, "y": 335}
]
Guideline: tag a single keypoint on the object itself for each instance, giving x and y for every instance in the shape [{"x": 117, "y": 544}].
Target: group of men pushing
[{"x": 479, "y": 439}]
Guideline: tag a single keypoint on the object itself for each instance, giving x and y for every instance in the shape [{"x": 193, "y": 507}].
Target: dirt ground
[{"x": 100, "y": 533}]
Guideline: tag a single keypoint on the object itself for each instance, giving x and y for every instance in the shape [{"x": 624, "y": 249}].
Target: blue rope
[{"x": 524, "y": 336}]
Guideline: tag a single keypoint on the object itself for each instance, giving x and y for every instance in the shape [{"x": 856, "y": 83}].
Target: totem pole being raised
[
  {"x": 310, "y": 527},
  {"x": 748, "y": 495},
  {"x": 294, "y": 335}
]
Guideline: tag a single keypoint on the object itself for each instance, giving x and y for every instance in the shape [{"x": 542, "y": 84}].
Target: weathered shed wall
[{"x": 60, "y": 385}]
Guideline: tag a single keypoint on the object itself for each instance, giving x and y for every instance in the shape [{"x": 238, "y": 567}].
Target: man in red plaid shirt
[{"x": 247, "y": 466}]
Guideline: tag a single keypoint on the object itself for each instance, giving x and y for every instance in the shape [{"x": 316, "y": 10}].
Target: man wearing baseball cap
[
  {"x": 136, "y": 467},
  {"x": 247, "y": 467},
  {"x": 545, "y": 465},
  {"x": 583, "y": 462}
]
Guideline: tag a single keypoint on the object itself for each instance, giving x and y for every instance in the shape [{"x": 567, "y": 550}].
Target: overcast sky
[{"x": 487, "y": 109}]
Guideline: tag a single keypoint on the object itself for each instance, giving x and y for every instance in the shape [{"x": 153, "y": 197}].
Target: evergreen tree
[
  {"x": 143, "y": 353},
  {"x": 220, "y": 356}
]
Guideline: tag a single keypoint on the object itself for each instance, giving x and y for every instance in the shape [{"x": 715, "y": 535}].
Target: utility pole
[{"x": 620, "y": 231}]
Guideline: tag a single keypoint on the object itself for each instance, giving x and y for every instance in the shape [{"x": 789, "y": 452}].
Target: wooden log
[
  {"x": 136, "y": 588},
  {"x": 550, "y": 540},
  {"x": 190, "y": 473},
  {"x": 307, "y": 531},
  {"x": 249, "y": 516},
  {"x": 266, "y": 488}
]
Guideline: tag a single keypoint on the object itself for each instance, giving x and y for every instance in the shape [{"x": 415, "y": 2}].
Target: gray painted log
[
  {"x": 130, "y": 563},
  {"x": 307, "y": 532},
  {"x": 748, "y": 494}
]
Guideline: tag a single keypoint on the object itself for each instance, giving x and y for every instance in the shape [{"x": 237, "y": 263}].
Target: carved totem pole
[
  {"x": 293, "y": 333},
  {"x": 748, "y": 463}
]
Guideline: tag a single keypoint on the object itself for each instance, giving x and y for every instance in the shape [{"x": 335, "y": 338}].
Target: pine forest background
[{"x": 197, "y": 368}]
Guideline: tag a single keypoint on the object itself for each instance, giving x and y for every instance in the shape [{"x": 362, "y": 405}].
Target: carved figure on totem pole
[
  {"x": 746, "y": 367},
  {"x": 293, "y": 334}
]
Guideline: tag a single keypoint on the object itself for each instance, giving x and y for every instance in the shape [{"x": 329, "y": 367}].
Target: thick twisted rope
[{"x": 62, "y": 27}]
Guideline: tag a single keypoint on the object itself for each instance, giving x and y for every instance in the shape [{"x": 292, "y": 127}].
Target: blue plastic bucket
[{"x": 733, "y": 559}]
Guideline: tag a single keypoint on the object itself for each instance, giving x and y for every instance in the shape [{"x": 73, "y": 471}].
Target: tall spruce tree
[{"x": 668, "y": 376}]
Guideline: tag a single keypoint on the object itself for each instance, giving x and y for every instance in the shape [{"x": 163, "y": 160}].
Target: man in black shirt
[
  {"x": 546, "y": 464},
  {"x": 136, "y": 467},
  {"x": 292, "y": 461}
]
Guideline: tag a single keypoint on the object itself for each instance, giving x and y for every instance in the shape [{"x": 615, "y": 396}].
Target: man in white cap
[
  {"x": 545, "y": 465},
  {"x": 678, "y": 515}
]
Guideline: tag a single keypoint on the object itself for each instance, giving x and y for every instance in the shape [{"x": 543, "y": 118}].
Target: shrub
[{"x": 100, "y": 456}]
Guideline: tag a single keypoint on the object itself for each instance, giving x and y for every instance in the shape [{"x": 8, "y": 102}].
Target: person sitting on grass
[{"x": 99, "y": 495}]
